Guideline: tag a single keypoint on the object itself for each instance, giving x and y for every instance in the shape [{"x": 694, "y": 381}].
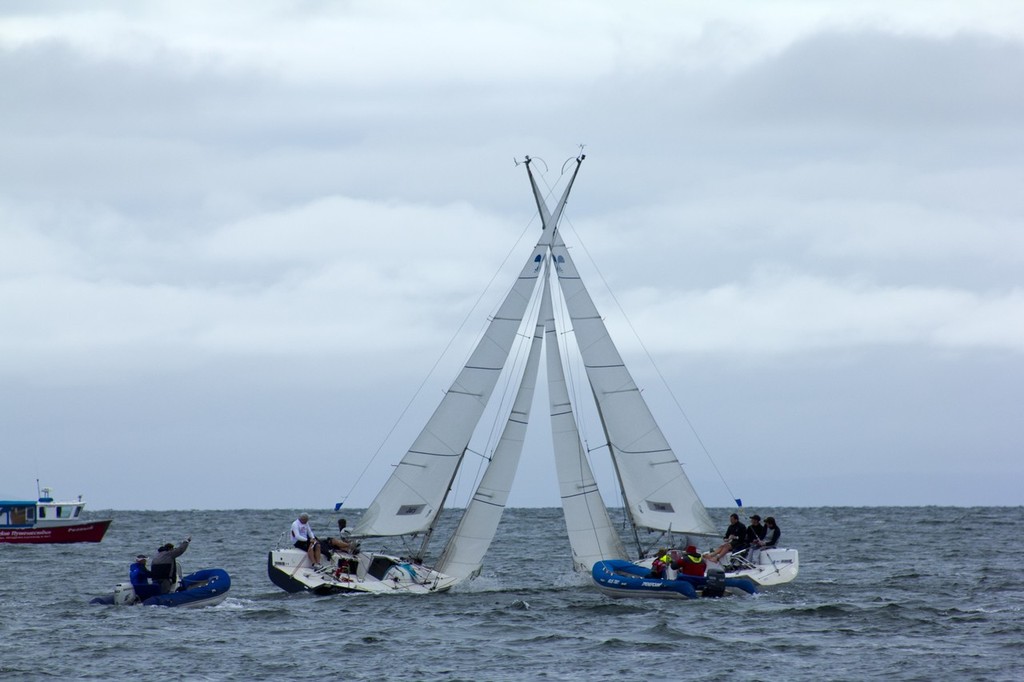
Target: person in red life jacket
[
  {"x": 692, "y": 562},
  {"x": 661, "y": 561}
]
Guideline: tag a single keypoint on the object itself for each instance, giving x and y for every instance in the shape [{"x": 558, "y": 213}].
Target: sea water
[{"x": 921, "y": 593}]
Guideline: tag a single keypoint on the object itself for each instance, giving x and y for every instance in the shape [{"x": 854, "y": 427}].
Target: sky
[{"x": 236, "y": 238}]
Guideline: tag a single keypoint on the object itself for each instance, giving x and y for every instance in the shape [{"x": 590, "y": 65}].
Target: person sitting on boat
[
  {"x": 140, "y": 578},
  {"x": 165, "y": 567},
  {"x": 755, "y": 531},
  {"x": 692, "y": 562},
  {"x": 304, "y": 539},
  {"x": 662, "y": 562},
  {"x": 338, "y": 543},
  {"x": 735, "y": 540},
  {"x": 772, "y": 533}
]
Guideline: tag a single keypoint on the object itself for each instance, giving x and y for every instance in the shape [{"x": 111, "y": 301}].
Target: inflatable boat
[
  {"x": 620, "y": 578},
  {"x": 208, "y": 587}
]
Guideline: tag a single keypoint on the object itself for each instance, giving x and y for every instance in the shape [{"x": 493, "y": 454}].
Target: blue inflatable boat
[
  {"x": 202, "y": 588},
  {"x": 619, "y": 578}
]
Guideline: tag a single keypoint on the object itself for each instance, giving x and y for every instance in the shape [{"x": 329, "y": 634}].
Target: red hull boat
[
  {"x": 46, "y": 521},
  {"x": 79, "y": 532}
]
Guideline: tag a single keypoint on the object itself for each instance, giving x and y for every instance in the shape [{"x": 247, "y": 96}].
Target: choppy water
[{"x": 924, "y": 593}]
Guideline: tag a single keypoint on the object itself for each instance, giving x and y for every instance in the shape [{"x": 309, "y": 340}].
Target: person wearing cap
[
  {"x": 755, "y": 531},
  {"x": 140, "y": 575},
  {"x": 304, "y": 539},
  {"x": 165, "y": 568},
  {"x": 692, "y": 562}
]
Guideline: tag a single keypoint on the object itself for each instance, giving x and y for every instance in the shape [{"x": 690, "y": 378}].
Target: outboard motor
[
  {"x": 715, "y": 582},
  {"x": 124, "y": 595}
]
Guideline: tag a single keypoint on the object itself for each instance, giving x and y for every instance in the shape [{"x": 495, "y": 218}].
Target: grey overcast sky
[{"x": 235, "y": 237}]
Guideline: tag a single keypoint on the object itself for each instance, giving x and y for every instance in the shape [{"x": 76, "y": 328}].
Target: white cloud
[
  {"x": 791, "y": 313},
  {"x": 294, "y": 196}
]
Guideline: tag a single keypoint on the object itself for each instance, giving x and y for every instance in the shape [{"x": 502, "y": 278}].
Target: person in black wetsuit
[
  {"x": 755, "y": 531},
  {"x": 735, "y": 539}
]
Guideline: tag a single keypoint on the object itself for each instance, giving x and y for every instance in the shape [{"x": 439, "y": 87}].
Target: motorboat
[
  {"x": 46, "y": 520},
  {"x": 626, "y": 579},
  {"x": 207, "y": 587}
]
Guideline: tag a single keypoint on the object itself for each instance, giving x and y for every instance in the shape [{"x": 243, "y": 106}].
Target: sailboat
[
  {"x": 658, "y": 497},
  {"x": 410, "y": 503},
  {"x": 657, "y": 494}
]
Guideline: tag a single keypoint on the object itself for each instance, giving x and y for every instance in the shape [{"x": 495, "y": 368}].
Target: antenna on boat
[{"x": 578, "y": 158}]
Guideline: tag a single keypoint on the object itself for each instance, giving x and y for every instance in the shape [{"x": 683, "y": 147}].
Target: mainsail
[
  {"x": 658, "y": 494},
  {"x": 414, "y": 494}
]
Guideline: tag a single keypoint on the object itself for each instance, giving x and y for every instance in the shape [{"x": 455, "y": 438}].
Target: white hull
[
  {"x": 365, "y": 572},
  {"x": 767, "y": 567}
]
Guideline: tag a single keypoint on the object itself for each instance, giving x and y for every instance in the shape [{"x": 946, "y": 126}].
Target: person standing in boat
[
  {"x": 735, "y": 539},
  {"x": 304, "y": 539},
  {"x": 140, "y": 579},
  {"x": 165, "y": 567}
]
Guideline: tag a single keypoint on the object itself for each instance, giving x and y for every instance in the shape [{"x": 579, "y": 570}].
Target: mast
[{"x": 550, "y": 220}]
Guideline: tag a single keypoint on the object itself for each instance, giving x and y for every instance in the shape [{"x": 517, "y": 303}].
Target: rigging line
[
  {"x": 650, "y": 358},
  {"x": 451, "y": 342}
]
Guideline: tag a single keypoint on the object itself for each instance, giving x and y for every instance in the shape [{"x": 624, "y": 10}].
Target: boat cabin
[
  {"x": 49, "y": 511},
  {"x": 17, "y": 513},
  {"x": 59, "y": 511}
]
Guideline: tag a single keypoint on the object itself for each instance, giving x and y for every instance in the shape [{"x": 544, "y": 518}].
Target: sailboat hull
[
  {"x": 366, "y": 572},
  {"x": 623, "y": 579},
  {"x": 766, "y": 567}
]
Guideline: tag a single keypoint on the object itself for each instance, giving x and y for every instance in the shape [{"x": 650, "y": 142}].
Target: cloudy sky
[{"x": 235, "y": 238}]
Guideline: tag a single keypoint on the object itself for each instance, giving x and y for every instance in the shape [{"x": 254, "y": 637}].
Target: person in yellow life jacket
[
  {"x": 661, "y": 561},
  {"x": 692, "y": 562}
]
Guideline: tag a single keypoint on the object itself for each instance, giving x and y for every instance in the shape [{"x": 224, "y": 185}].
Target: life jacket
[{"x": 694, "y": 565}]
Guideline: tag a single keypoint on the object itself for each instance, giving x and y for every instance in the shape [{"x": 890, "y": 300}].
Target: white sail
[
  {"x": 414, "y": 494},
  {"x": 592, "y": 536},
  {"x": 464, "y": 553},
  {"x": 658, "y": 494}
]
